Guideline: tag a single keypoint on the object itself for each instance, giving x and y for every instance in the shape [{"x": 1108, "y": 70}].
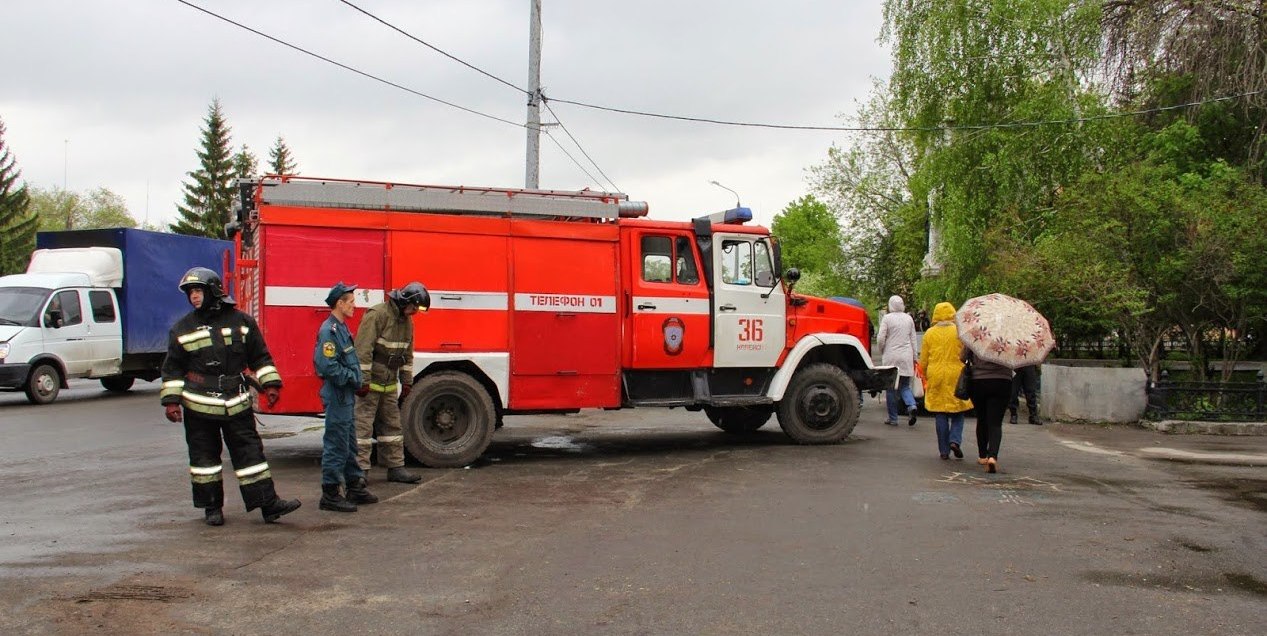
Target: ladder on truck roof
[{"x": 370, "y": 195}]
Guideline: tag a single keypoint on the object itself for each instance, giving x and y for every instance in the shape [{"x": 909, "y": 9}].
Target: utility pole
[{"x": 532, "y": 172}]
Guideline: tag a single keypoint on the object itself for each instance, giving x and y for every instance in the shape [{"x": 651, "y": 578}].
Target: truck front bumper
[
  {"x": 13, "y": 376},
  {"x": 875, "y": 379}
]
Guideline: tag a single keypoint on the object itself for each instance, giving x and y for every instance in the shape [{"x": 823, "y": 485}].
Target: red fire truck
[{"x": 552, "y": 301}]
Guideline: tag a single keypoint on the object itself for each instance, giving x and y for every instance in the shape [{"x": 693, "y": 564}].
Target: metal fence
[{"x": 1207, "y": 401}]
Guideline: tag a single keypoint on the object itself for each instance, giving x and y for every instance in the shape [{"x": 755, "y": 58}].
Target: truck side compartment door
[
  {"x": 565, "y": 328},
  {"x": 65, "y": 332},
  {"x": 668, "y": 312},
  {"x": 750, "y": 330},
  {"x": 105, "y": 337}
]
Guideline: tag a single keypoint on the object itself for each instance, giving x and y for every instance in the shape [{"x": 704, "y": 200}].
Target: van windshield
[{"x": 21, "y": 305}]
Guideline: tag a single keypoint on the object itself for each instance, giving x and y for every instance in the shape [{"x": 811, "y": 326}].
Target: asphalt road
[{"x": 637, "y": 522}]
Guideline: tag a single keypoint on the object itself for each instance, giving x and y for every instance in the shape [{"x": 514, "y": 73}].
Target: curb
[{"x": 1182, "y": 427}]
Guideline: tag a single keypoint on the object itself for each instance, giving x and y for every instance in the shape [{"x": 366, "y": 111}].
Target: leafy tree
[
  {"x": 210, "y": 194},
  {"x": 810, "y": 240},
  {"x": 17, "y": 223},
  {"x": 1167, "y": 52},
  {"x": 867, "y": 187},
  {"x": 245, "y": 165},
  {"x": 60, "y": 209},
  {"x": 280, "y": 159}
]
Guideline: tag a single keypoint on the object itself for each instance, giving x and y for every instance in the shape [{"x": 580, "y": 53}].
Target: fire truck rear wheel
[
  {"x": 820, "y": 405},
  {"x": 448, "y": 420},
  {"x": 739, "y": 419}
]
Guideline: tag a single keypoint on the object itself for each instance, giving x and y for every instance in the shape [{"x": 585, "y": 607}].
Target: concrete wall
[{"x": 1092, "y": 394}]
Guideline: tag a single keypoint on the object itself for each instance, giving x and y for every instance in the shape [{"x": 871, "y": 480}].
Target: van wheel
[
  {"x": 118, "y": 383},
  {"x": 820, "y": 405},
  {"x": 739, "y": 419},
  {"x": 43, "y": 385},
  {"x": 448, "y": 420}
]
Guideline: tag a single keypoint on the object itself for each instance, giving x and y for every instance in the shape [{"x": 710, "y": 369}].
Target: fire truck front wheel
[
  {"x": 448, "y": 420},
  {"x": 738, "y": 419},
  {"x": 820, "y": 405}
]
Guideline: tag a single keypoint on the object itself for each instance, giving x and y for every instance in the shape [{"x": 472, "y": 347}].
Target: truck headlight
[{"x": 4, "y": 351}]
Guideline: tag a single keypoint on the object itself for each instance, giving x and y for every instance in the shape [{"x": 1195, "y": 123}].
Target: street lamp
[{"x": 737, "y": 203}]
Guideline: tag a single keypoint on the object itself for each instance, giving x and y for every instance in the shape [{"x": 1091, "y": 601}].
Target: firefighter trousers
[
  {"x": 203, "y": 435},
  {"x": 380, "y": 407}
]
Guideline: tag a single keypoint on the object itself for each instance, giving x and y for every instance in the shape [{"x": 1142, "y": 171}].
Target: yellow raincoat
[{"x": 939, "y": 355}]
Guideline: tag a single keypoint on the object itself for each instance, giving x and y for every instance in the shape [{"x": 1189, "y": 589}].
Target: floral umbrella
[{"x": 1004, "y": 330}]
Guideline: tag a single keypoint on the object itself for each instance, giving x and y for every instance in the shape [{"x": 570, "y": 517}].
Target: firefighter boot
[
  {"x": 215, "y": 516},
  {"x": 273, "y": 511},
  {"x": 403, "y": 476},
  {"x": 332, "y": 500},
  {"x": 359, "y": 494}
]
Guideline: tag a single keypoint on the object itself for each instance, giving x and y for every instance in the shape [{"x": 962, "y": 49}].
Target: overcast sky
[{"x": 113, "y": 93}]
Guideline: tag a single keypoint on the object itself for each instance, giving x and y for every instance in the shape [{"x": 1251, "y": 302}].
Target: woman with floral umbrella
[{"x": 1000, "y": 333}]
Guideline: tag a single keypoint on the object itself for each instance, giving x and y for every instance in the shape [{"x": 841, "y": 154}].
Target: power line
[
  {"x": 433, "y": 48},
  {"x": 1021, "y": 124},
  {"x": 615, "y": 188},
  {"x": 349, "y": 68},
  {"x": 593, "y": 179}
]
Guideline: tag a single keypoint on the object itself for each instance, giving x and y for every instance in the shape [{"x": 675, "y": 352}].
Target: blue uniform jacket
[{"x": 336, "y": 363}]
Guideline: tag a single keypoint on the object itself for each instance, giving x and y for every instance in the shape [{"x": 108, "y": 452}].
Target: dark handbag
[{"x": 963, "y": 386}]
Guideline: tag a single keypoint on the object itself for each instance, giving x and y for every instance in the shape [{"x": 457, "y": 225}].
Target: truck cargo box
[{"x": 149, "y": 300}]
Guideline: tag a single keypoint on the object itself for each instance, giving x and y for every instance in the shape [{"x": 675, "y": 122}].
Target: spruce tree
[
  {"x": 280, "y": 159},
  {"x": 209, "y": 197},
  {"x": 245, "y": 165},
  {"x": 17, "y": 222}
]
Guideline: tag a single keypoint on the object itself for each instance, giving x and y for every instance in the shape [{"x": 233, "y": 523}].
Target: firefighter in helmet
[
  {"x": 340, "y": 371},
  {"x": 385, "y": 347},
  {"x": 215, "y": 354}
]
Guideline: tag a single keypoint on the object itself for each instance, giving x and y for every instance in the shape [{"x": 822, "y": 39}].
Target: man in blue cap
[{"x": 336, "y": 364}]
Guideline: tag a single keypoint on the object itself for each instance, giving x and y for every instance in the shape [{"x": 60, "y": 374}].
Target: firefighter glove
[
  {"x": 173, "y": 413},
  {"x": 272, "y": 394},
  {"x": 363, "y": 391}
]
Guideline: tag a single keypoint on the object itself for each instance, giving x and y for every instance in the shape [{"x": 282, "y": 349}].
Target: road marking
[
  {"x": 1088, "y": 447},
  {"x": 1174, "y": 453}
]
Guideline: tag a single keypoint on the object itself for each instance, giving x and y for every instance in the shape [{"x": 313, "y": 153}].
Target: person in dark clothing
[
  {"x": 215, "y": 354},
  {"x": 991, "y": 388},
  {"x": 1025, "y": 381}
]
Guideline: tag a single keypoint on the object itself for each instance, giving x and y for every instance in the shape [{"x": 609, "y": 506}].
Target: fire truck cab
[{"x": 552, "y": 301}]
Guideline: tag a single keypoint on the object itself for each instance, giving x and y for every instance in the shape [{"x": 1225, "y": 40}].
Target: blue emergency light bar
[{"x": 737, "y": 215}]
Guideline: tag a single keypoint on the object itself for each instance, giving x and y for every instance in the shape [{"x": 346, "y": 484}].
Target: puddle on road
[
  {"x": 1248, "y": 493},
  {"x": 559, "y": 442},
  {"x": 1224, "y": 582}
]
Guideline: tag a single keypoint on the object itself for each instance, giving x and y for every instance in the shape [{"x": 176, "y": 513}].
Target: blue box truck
[{"x": 96, "y": 304}]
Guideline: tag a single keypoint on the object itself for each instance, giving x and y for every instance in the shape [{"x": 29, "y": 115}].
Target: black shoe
[
  {"x": 911, "y": 420},
  {"x": 359, "y": 494},
  {"x": 272, "y": 512},
  {"x": 954, "y": 448},
  {"x": 215, "y": 516},
  {"x": 399, "y": 474},
  {"x": 333, "y": 500}
]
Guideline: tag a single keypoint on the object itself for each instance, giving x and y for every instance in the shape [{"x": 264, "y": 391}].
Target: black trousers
[
  {"x": 989, "y": 398},
  {"x": 1025, "y": 381},
  {"x": 203, "y": 434}
]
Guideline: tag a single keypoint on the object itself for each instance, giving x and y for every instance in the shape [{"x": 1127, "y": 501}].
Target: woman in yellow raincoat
[{"x": 939, "y": 356}]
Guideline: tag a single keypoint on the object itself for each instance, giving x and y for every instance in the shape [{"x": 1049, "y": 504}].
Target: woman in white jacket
[{"x": 899, "y": 348}]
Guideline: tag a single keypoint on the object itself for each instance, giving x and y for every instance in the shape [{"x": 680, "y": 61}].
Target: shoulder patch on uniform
[{"x": 327, "y": 349}]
